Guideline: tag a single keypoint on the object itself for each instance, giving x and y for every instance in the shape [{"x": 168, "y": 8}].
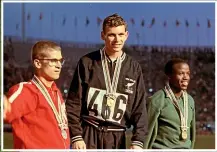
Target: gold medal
[
  {"x": 184, "y": 134},
  {"x": 111, "y": 86},
  {"x": 110, "y": 101}
]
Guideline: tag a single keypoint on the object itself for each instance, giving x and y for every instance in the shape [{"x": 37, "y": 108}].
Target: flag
[
  {"x": 208, "y": 23},
  {"x": 64, "y": 21},
  {"x": 152, "y": 22},
  {"x": 87, "y": 21},
  {"x": 132, "y": 21},
  {"x": 98, "y": 20},
  {"x": 186, "y": 23},
  {"x": 198, "y": 24},
  {"x": 165, "y": 23},
  {"x": 40, "y": 16},
  {"x": 28, "y": 17},
  {"x": 177, "y": 23},
  {"x": 143, "y": 23},
  {"x": 75, "y": 21}
]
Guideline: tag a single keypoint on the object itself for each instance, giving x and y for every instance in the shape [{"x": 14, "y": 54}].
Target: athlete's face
[
  {"x": 114, "y": 38},
  {"x": 180, "y": 77},
  {"x": 50, "y": 66}
]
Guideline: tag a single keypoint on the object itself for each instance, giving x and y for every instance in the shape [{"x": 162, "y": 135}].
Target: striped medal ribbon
[
  {"x": 111, "y": 87},
  {"x": 184, "y": 114},
  {"x": 59, "y": 116}
]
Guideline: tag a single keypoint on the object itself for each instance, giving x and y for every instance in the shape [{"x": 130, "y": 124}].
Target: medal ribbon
[
  {"x": 111, "y": 87},
  {"x": 184, "y": 115},
  {"x": 59, "y": 116}
]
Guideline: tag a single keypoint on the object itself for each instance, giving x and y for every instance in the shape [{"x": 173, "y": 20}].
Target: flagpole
[
  {"x": 23, "y": 22},
  {"x": 197, "y": 36},
  {"x": 187, "y": 37},
  {"x": 155, "y": 36},
  {"x": 138, "y": 38},
  {"x": 74, "y": 34},
  {"x": 177, "y": 37},
  {"x": 177, "y": 34},
  {"x": 40, "y": 22},
  {"x": 87, "y": 24},
  {"x": 99, "y": 37},
  {"x": 187, "y": 31},
  {"x": 208, "y": 36},
  {"x": 177, "y": 41},
  {"x": 134, "y": 31},
  {"x": 143, "y": 35},
  {"x": 51, "y": 26},
  {"x": 17, "y": 29},
  {"x": 99, "y": 23},
  {"x": 40, "y": 25},
  {"x": 198, "y": 25},
  {"x": 165, "y": 36},
  {"x": 87, "y": 36},
  {"x": 143, "y": 32},
  {"x": 151, "y": 26},
  {"x": 63, "y": 25},
  {"x": 208, "y": 31}
]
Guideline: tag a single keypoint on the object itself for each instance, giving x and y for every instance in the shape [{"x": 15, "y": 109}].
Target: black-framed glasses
[{"x": 54, "y": 62}]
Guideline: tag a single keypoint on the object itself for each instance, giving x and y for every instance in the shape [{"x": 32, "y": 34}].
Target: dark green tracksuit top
[{"x": 164, "y": 130}]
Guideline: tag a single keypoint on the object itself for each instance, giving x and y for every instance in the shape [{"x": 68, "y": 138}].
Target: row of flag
[{"x": 132, "y": 21}]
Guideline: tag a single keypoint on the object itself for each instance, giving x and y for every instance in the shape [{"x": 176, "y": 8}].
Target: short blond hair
[{"x": 40, "y": 48}]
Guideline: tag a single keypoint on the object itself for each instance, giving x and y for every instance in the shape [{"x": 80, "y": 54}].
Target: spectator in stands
[
  {"x": 171, "y": 111},
  {"x": 37, "y": 114},
  {"x": 106, "y": 94}
]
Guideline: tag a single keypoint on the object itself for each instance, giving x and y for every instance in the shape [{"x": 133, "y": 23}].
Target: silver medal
[{"x": 64, "y": 134}]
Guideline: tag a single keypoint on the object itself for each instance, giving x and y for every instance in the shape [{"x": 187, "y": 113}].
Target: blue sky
[{"x": 51, "y": 26}]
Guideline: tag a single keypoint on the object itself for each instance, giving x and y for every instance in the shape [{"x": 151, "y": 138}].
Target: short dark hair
[
  {"x": 39, "y": 48},
  {"x": 113, "y": 20},
  {"x": 168, "y": 69}
]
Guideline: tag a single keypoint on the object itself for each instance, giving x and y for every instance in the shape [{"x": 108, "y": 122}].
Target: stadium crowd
[{"x": 152, "y": 60}]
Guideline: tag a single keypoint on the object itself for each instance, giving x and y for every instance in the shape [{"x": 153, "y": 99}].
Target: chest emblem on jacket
[{"x": 129, "y": 85}]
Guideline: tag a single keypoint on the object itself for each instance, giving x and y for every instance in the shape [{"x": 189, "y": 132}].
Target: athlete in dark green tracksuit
[
  {"x": 164, "y": 131},
  {"x": 164, "y": 123}
]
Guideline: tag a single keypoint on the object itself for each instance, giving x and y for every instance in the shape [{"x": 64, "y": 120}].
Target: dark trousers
[{"x": 101, "y": 138}]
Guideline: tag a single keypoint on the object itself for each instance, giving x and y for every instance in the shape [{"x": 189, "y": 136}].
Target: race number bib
[{"x": 97, "y": 105}]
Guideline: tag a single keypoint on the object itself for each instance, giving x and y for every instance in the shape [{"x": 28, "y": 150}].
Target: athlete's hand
[
  {"x": 135, "y": 147},
  {"x": 79, "y": 145},
  {"x": 7, "y": 106}
]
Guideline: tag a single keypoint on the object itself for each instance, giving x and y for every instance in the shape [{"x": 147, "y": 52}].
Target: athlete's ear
[
  {"x": 127, "y": 34},
  {"x": 102, "y": 35},
  {"x": 169, "y": 76},
  {"x": 37, "y": 63}
]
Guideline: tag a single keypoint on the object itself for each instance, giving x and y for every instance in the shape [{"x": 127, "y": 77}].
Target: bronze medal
[{"x": 184, "y": 134}]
